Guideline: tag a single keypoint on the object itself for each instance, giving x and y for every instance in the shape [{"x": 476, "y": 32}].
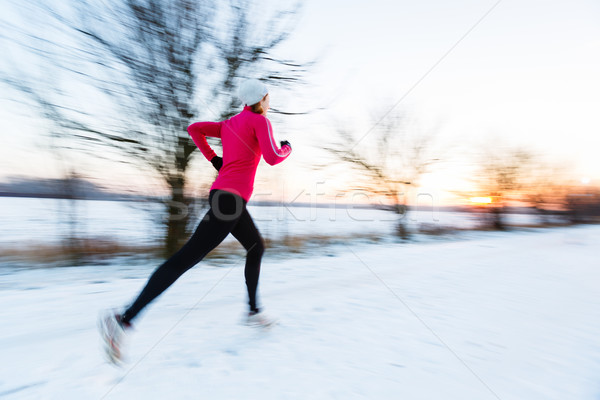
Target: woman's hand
[{"x": 217, "y": 162}]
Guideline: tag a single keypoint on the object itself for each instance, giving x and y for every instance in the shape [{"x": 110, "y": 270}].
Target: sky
[
  {"x": 513, "y": 73},
  {"x": 527, "y": 73}
]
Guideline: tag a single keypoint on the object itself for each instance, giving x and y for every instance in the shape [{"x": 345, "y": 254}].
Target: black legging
[{"x": 227, "y": 214}]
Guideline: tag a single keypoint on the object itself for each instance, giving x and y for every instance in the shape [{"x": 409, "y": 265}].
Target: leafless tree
[
  {"x": 501, "y": 176},
  {"x": 544, "y": 187},
  {"x": 126, "y": 78},
  {"x": 582, "y": 204},
  {"x": 389, "y": 161}
]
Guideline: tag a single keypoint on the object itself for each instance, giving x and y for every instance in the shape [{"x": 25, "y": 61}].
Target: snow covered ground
[{"x": 506, "y": 316}]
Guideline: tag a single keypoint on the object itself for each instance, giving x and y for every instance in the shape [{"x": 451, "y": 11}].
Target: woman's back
[{"x": 245, "y": 137}]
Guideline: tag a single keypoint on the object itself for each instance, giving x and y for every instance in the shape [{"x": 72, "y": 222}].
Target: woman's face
[{"x": 265, "y": 104}]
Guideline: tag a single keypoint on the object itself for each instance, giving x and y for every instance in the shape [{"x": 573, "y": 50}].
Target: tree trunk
[
  {"x": 402, "y": 230},
  {"x": 498, "y": 218},
  {"x": 178, "y": 211}
]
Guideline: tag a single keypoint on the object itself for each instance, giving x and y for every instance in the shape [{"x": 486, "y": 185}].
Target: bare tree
[
  {"x": 581, "y": 204},
  {"x": 544, "y": 187},
  {"x": 501, "y": 175},
  {"x": 389, "y": 162},
  {"x": 131, "y": 75}
]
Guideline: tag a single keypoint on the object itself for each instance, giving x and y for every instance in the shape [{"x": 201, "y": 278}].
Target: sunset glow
[{"x": 481, "y": 200}]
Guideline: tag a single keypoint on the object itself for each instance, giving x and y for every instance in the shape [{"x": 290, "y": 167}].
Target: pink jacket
[{"x": 245, "y": 137}]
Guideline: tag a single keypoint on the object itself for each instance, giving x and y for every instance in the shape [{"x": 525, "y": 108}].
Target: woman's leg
[
  {"x": 248, "y": 235},
  {"x": 218, "y": 222}
]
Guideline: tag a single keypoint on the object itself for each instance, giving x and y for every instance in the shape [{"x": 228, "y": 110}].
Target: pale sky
[{"x": 528, "y": 73}]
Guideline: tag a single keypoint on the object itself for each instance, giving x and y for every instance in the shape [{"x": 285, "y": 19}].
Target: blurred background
[{"x": 409, "y": 121}]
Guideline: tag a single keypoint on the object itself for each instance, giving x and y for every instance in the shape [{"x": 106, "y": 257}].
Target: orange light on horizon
[{"x": 481, "y": 200}]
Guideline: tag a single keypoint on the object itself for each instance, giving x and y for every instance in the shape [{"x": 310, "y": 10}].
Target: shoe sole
[
  {"x": 110, "y": 346},
  {"x": 259, "y": 325}
]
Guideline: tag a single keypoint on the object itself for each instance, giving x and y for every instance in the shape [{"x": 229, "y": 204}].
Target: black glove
[
  {"x": 284, "y": 142},
  {"x": 217, "y": 162}
]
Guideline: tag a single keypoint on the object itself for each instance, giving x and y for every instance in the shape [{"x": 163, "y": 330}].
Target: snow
[
  {"x": 505, "y": 316},
  {"x": 34, "y": 220}
]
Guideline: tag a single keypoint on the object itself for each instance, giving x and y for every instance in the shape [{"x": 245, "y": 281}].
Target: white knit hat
[{"x": 251, "y": 91}]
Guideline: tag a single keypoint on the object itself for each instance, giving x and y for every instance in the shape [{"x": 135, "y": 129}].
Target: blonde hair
[{"x": 257, "y": 108}]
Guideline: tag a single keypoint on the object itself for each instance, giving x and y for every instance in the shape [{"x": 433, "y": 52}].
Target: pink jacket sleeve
[
  {"x": 271, "y": 152},
  {"x": 199, "y": 130}
]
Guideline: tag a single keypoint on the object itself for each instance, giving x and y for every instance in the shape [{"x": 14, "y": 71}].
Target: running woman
[{"x": 244, "y": 137}]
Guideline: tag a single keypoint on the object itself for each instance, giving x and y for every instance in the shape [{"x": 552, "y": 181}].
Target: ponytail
[{"x": 257, "y": 108}]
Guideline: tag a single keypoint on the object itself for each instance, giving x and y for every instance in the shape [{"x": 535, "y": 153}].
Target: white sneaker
[
  {"x": 259, "y": 319},
  {"x": 112, "y": 332}
]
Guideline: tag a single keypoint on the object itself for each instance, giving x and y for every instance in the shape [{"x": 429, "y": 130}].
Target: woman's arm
[
  {"x": 271, "y": 153},
  {"x": 199, "y": 130}
]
